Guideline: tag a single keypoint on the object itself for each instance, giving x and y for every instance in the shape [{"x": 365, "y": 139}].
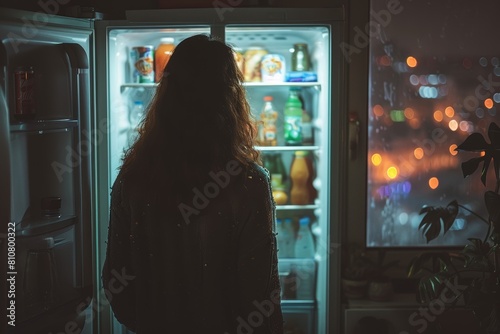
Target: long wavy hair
[{"x": 198, "y": 120}]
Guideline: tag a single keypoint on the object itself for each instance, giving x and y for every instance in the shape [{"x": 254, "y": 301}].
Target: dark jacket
[{"x": 206, "y": 265}]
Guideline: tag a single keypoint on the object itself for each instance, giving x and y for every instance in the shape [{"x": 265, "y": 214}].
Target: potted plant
[
  {"x": 379, "y": 284},
  {"x": 355, "y": 272},
  {"x": 472, "y": 275}
]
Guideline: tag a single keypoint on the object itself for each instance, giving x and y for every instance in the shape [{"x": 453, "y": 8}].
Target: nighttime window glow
[{"x": 442, "y": 86}]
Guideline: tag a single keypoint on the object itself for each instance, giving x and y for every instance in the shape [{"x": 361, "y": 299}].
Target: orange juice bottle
[
  {"x": 162, "y": 56},
  {"x": 299, "y": 174}
]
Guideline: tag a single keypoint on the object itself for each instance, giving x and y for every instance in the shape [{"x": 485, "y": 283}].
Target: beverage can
[
  {"x": 252, "y": 59},
  {"x": 273, "y": 68},
  {"x": 142, "y": 58},
  {"x": 24, "y": 82}
]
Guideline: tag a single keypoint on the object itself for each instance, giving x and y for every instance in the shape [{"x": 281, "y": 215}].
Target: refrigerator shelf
[
  {"x": 287, "y": 148},
  {"x": 246, "y": 84},
  {"x": 44, "y": 125},
  {"x": 41, "y": 225},
  {"x": 293, "y": 303},
  {"x": 282, "y": 84},
  {"x": 297, "y": 207}
]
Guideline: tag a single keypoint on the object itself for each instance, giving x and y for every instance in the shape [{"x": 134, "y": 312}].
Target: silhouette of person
[{"x": 191, "y": 244}]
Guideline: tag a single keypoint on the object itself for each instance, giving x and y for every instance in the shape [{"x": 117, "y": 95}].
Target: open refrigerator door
[{"x": 286, "y": 71}]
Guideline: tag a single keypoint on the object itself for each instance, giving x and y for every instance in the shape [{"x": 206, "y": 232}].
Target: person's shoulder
[
  {"x": 258, "y": 172},
  {"x": 257, "y": 176}
]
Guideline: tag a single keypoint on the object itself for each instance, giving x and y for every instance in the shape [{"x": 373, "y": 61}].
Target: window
[{"x": 434, "y": 79}]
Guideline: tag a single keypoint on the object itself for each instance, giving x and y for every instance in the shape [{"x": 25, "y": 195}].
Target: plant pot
[
  {"x": 354, "y": 289},
  {"x": 380, "y": 291}
]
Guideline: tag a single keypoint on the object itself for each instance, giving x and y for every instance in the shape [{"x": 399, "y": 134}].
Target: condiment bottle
[
  {"x": 268, "y": 117},
  {"x": 299, "y": 174},
  {"x": 162, "y": 56}
]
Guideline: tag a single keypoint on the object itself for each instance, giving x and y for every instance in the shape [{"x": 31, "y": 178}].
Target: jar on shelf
[{"x": 300, "y": 58}]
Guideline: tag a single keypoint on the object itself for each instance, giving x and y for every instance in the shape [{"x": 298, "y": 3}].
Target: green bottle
[{"x": 293, "y": 119}]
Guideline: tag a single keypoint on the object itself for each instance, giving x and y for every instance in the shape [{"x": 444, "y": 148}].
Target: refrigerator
[{"x": 105, "y": 124}]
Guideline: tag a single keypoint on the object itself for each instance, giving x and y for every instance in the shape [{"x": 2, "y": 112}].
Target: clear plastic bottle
[
  {"x": 287, "y": 239},
  {"x": 135, "y": 116},
  {"x": 304, "y": 250},
  {"x": 304, "y": 244}
]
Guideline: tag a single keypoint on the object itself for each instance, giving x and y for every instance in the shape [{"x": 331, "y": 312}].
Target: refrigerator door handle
[
  {"x": 80, "y": 85},
  {"x": 353, "y": 135}
]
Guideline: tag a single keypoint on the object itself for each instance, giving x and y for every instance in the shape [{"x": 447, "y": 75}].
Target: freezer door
[{"x": 46, "y": 165}]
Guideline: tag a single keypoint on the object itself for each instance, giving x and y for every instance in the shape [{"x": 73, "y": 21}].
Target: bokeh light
[
  {"x": 453, "y": 125},
  {"x": 411, "y": 61},
  {"x": 418, "y": 153},
  {"x": 449, "y": 111},
  {"x": 385, "y": 60},
  {"x": 403, "y": 218},
  {"x": 464, "y": 126},
  {"x": 452, "y": 149},
  {"x": 378, "y": 110},
  {"x": 433, "y": 182},
  {"x": 438, "y": 115},
  {"x": 409, "y": 113},
  {"x": 376, "y": 159},
  {"x": 488, "y": 103},
  {"x": 392, "y": 172}
]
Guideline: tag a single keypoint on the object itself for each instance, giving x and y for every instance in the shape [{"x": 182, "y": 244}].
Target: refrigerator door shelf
[
  {"x": 39, "y": 226},
  {"x": 44, "y": 125}
]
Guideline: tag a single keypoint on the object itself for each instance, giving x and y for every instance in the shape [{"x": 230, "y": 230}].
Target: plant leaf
[
  {"x": 476, "y": 254},
  {"x": 449, "y": 219},
  {"x": 431, "y": 223},
  {"x": 470, "y": 166},
  {"x": 494, "y": 135},
  {"x": 492, "y": 202},
  {"x": 475, "y": 142},
  {"x": 486, "y": 165},
  {"x": 496, "y": 163}
]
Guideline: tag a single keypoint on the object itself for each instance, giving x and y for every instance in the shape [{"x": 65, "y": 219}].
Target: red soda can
[{"x": 24, "y": 82}]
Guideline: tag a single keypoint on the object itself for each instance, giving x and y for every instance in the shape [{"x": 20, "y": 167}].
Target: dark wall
[{"x": 115, "y": 9}]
